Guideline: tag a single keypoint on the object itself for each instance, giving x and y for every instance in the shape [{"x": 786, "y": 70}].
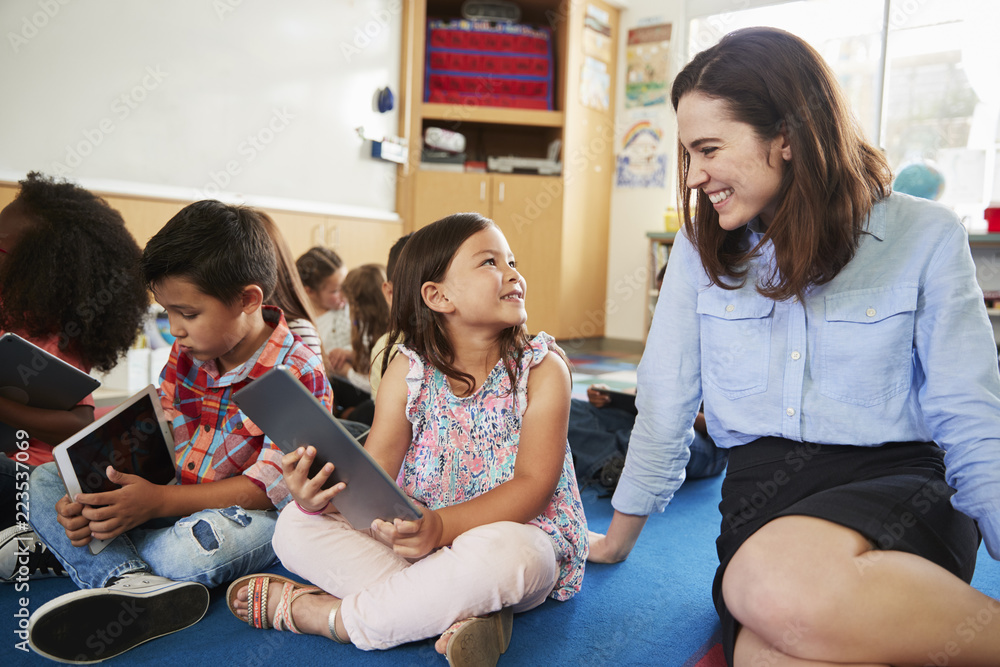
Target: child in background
[
  {"x": 322, "y": 272},
  {"x": 370, "y": 321},
  {"x": 289, "y": 293},
  {"x": 599, "y": 433},
  {"x": 69, "y": 283},
  {"x": 211, "y": 267},
  {"x": 376, "y": 365},
  {"x": 471, "y": 420},
  {"x": 370, "y": 315}
]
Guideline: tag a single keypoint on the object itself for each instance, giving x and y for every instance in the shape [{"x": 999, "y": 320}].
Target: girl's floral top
[{"x": 464, "y": 446}]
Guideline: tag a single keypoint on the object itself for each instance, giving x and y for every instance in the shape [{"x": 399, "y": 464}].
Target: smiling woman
[
  {"x": 794, "y": 252},
  {"x": 740, "y": 173}
]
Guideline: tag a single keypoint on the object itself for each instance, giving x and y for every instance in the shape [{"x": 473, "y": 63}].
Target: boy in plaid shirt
[{"x": 211, "y": 267}]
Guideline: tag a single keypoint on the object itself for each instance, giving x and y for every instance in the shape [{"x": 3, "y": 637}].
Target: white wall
[
  {"x": 635, "y": 211},
  {"x": 191, "y": 99}
]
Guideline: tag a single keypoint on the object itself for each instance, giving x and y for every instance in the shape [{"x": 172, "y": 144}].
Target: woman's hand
[
  {"x": 307, "y": 491},
  {"x": 111, "y": 513},
  {"x": 617, "y": 544},
  {"x": 411, "y": 539},
  {"x": 601, "y": 551}
]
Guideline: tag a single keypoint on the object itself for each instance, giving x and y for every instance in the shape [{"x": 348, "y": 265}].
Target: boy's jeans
[{"x": 209, "y": 547}]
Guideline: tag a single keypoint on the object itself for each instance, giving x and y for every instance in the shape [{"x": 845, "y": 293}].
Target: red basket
[{"x": 993, "y": 219}]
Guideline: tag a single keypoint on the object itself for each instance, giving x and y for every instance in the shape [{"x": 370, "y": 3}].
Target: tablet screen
[{"x": 132, "y": 441}]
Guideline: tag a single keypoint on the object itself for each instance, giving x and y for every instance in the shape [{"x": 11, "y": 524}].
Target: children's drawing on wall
[
  {"x": 641, "y": 163},
  {"x": 597, "y": 34},
  {"x": 647, "y": 59},
  {"x": 595, "y": 84}
]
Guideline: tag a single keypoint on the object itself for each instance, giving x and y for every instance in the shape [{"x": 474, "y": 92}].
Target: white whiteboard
[{"x": 203, "y": 98}]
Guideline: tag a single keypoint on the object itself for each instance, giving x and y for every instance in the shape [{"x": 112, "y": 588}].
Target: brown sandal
[
  {"x": 258, "y": 586},
  {"x": 479, "y": 640}
]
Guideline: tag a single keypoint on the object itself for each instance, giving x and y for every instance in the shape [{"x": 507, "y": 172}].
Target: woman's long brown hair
[{"x": 775, "y": 82}]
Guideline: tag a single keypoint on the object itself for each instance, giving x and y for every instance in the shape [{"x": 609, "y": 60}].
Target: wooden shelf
[{"x": 499, "y": 115}]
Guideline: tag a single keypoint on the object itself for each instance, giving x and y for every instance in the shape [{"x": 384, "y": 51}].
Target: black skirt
[{"x": 894, "y": 495}]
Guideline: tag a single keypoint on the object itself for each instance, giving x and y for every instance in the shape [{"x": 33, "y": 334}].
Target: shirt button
[
  {"x": 191, "y": 465},
  {"x": 730, "y": 308},
  {"x": 790, "y": 412},
  {"x": 796, "y": 355},
  {"x": 870, "y": 312}
]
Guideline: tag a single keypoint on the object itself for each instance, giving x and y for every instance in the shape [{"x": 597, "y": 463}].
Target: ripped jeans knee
[
  {"x": 208, "y": 530},
  {"x": 212, "y": 546}
]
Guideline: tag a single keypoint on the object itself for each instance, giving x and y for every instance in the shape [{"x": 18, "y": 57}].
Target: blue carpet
[{"x": 653, "y": 609}]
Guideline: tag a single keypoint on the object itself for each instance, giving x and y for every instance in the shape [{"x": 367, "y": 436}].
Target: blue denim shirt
[{"x": 897, "y": 347}]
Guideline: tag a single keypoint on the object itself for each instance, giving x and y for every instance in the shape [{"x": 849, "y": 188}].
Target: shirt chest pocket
[
  {"x": 866, "y": 345},
  {"x": 735, "y": 340},
  {"x": 241, "y": 442}
]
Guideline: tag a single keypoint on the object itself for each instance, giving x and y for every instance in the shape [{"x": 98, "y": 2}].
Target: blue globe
[{"x": 919, "y": 179}]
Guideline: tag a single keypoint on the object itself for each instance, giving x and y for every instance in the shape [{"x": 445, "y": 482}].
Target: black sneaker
[
  {"x": 610, "y": 472},
  {"x": 99, "y": 623},
  {"x": 23, "y": 556}
]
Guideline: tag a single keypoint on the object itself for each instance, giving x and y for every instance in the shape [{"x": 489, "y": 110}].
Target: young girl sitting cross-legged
[{"x": 471, "y": 421}]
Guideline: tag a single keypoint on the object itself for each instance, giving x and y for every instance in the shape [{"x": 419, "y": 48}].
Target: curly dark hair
[{"x": 73, "y": 273}]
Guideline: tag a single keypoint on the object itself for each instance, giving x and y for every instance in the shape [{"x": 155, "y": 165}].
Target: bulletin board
[{"x": 202, "y": 97}]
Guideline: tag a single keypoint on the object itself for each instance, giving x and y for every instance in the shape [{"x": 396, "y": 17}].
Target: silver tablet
[
  {"x": 134, "y": 438},
  {"x": 292, "y": 417},
  {"x": 31, "y": 376}
]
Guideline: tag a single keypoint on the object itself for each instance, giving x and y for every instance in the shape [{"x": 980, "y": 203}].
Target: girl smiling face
[{"x": 740, "y": 173}]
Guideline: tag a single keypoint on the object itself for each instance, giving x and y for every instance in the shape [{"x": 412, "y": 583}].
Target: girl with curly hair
[{"x": 69, "y": 283}]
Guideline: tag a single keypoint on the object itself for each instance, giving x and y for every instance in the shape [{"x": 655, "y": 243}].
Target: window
[{"x": 933, "y": 96}]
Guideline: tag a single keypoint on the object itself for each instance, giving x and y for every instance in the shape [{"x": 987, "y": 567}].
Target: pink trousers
[{"x": 390, "y": 600}]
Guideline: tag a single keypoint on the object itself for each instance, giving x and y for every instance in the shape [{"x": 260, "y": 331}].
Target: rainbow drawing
[{"x": 639, "y": 128}]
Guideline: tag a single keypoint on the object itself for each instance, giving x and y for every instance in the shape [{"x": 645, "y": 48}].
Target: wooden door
[
  {"x": 441, "y": 193},
  {"x": 528, "y": 209}
]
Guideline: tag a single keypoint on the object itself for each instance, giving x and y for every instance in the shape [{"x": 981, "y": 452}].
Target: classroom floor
[{"x": 606, "y": 361}]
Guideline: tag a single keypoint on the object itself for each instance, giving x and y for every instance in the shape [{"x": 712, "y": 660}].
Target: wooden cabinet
[
  {"x": 528, "y": 210},
  {"x": 556, "y": 225}
]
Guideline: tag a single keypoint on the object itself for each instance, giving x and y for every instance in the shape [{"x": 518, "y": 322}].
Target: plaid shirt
[{"x": 213, "y": 440}]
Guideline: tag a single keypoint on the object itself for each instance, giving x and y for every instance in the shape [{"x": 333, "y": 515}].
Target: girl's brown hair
[
  {"x": 775, "y": 82},
  {"x": 289, "y": 293},
  {"x": 316, "y": 265},
  {"x": 426, "y": 258},
  {"x": 369, "y": 311}
]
